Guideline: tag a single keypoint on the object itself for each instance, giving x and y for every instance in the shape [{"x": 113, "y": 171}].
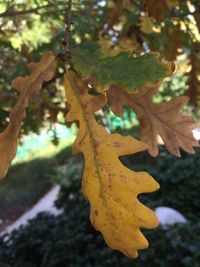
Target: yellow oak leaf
[
  {"x": 146, "y": 24},
  {"x": 130, "y": 44},
  {"x": 162, "y": 119},
  {"x": 27, "y": 87},
  {"x": 110, "y": 187},
  {"x": 173, "y": 3}
]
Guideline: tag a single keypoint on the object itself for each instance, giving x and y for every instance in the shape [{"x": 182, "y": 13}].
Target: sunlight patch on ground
[{"x": 34, "y": 146}]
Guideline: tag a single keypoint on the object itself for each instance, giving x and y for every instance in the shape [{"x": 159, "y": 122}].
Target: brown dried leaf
[
  {"x": 175, "y": 42},
  {"x": 193, "y": 82},
  {"x": 115, "y": 14},
  {"x": 157, "y": 119},
  {"x": 156, "y": 8},
  {"x": 197, "y": 17},
  {"x": 27, "y": 87}
]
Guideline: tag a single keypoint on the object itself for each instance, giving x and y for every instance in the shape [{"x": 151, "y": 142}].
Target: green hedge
[
  {"x": 68, "y": 240},
  {"x": 179, "y": 180}
]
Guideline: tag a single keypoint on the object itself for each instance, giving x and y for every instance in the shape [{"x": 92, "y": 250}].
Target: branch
[
  {"x": 24, "y": 12},
  {"x": 68, "y": 23},
  {"x": 135, "y": 3}
]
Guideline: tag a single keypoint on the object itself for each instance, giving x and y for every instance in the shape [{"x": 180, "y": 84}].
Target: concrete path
[
  {"x": 196, "y": 133},
  {"x": 44, "y": 204},
  {"x": 169, "y": 216}
]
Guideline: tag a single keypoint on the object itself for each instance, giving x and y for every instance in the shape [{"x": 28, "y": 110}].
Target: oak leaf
[
  {"x": 115, "y": 13},
  {"x": 27, "y": 87},
  {"x": 123, "y": 69},
  {"x": 156, "y": 8},
  {"x": 197, "y": 18},
  {"x": 162, "y": 119},
  {"x": 175, "y": 42},
  {"x": 193, "y": 81},
  {"x": 110, "y": 187},
  {"x": 146, "y": 24}
]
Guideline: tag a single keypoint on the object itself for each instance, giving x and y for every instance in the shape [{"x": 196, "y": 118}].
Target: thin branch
[
  {"x": 14, "y": 13},
  {"x": 8, "y": 96},
  {"x": 68, "y": 23},
  {"x": 135, "y": 3}
]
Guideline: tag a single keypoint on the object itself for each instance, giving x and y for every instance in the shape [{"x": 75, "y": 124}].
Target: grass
[
  {"x": 26, "y": 183},
  {"x": 50, "y": 151}
]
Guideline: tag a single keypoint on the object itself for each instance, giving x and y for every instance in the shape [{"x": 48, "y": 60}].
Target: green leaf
[{"x": 122, "y": 70}]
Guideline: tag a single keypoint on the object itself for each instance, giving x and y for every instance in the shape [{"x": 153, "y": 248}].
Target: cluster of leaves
[
  {"x": 121, "y": 77},
  {"x": 28, "y": 86},
  {"x": 28, "y": 28}
]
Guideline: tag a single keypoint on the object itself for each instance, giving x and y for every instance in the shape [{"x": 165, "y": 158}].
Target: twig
[
  {"x": 68, "y": 24},
  {"x": 135, "y": 3},
  {"x": 14, "y": 13},
  {"x": 8, "y": 96}
]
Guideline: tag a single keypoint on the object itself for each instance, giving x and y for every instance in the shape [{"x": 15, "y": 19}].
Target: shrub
[
  {"x": 68, "y": 240},
  {"x": 24, "y": 185},
  {"x": 178, "y": 179}
]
